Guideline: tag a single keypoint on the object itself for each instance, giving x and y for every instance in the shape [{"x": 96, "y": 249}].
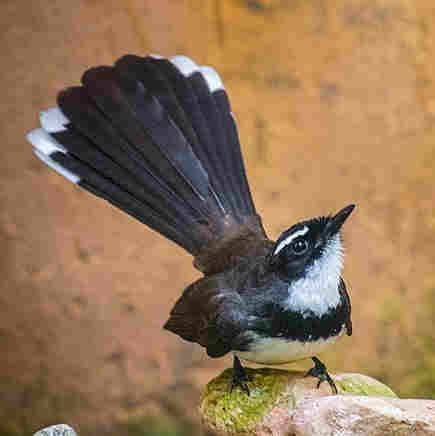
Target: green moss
[
  {"x": 237, "y": 412},
  {"x": 360, "y": 385}
]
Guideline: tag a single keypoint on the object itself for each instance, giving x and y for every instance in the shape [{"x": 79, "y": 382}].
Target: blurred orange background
[{"x": 335, "y": 103}]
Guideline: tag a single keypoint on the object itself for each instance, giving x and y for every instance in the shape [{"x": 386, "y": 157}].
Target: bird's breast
[{"x": 277, "y": 350}]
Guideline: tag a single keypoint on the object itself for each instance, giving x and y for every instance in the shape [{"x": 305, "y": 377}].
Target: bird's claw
[
  {"x": 320, "y": 372},
  {"x": 240, "y": 377}
]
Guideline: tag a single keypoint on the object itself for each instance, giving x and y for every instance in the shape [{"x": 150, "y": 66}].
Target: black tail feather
[
  {"x": 96, "y": 161},
  {"x": 140, "y": 117},
  {"x": 203, "y": 142},
  {"x": 218, "y": 147},
  {"x": 102, "y": 187},
  {"x": 149, "y": 72},
  {"x": 157, "y": 139},
  {"x": 245, "y": 202}
]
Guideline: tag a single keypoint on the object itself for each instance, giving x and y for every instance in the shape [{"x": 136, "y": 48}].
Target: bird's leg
[
  {"x": 319, "y": 371},
  {"x": 240, "y": 377}
]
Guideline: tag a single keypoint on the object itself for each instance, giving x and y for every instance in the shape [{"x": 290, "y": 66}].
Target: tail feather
[
  {"x": 246, "y": 204},
  {"x": 124, "y": 200},
  {"x": 97, "y": 161},
  {"x": 153, "y": 73},
  {"x": 221, "y": 142},
  {"x": 126, "y": 165},
  {"x": 149, "y": 72},
  {"x": 178, "y": 72},
  {"x": 156, "y": 138},
  {"x": 217, "y": 146},
  {"x": 140, "y": 118}
]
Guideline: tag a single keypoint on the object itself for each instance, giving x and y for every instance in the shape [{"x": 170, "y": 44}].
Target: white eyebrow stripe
[{"x": 290, "y": 238}]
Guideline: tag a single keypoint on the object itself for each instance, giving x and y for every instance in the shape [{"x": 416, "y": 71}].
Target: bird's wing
[{"x": 209, "y": 313}]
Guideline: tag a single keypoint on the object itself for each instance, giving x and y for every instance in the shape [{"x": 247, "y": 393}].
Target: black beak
[{"x": 338, "y": 220}]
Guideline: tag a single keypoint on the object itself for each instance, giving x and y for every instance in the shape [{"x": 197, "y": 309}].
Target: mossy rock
[
  {"x": 359, "y": 384},
  {"x": 236, "y": 413}
]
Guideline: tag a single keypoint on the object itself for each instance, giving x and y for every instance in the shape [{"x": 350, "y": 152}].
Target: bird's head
[{"x": 308, "y": 244}]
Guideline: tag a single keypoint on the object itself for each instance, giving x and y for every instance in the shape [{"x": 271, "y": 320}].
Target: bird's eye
[{"x": 300, "y": 246}]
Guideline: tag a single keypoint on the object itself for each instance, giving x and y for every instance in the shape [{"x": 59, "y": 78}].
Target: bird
[{"x": 156, "y": 137}]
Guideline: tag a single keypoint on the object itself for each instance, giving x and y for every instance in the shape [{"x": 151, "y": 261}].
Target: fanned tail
[{"x": 156, "y": 138}]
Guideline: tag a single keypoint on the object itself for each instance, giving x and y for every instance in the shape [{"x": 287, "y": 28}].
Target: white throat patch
[{"x": 318, "y": 292}]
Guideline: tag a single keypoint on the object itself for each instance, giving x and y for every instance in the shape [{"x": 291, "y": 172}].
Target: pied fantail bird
[{"x": 157, "y": 138}]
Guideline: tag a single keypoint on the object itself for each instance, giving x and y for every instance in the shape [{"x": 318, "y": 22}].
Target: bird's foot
[
  {"x": 240, "y": 377},
  {"x": 319, "y": 371}
]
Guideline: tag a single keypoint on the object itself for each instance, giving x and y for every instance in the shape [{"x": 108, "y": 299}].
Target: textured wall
[{"x": 335, "y": 102}]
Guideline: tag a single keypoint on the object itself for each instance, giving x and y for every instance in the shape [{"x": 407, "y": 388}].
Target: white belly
[{"x": 277, "y": 350}]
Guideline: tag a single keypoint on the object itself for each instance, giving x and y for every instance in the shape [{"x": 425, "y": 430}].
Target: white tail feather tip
[
  {"x": 53, "y": 120},
  {"x": 57, "y": 167},
  {"x": 185, "y": 65},
  {"x": 212, "y": 78},
  {"x": 42, "y": 141}
]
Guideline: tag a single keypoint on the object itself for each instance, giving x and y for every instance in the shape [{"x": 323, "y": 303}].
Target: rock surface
[
  {"x": 358, "y": 416},
  {"x": 286, "y": 403},
  {"x": 56, "y": 430}
]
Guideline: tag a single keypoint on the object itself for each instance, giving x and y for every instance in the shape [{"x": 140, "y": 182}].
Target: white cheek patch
[{"x": 290, "y": 238}]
